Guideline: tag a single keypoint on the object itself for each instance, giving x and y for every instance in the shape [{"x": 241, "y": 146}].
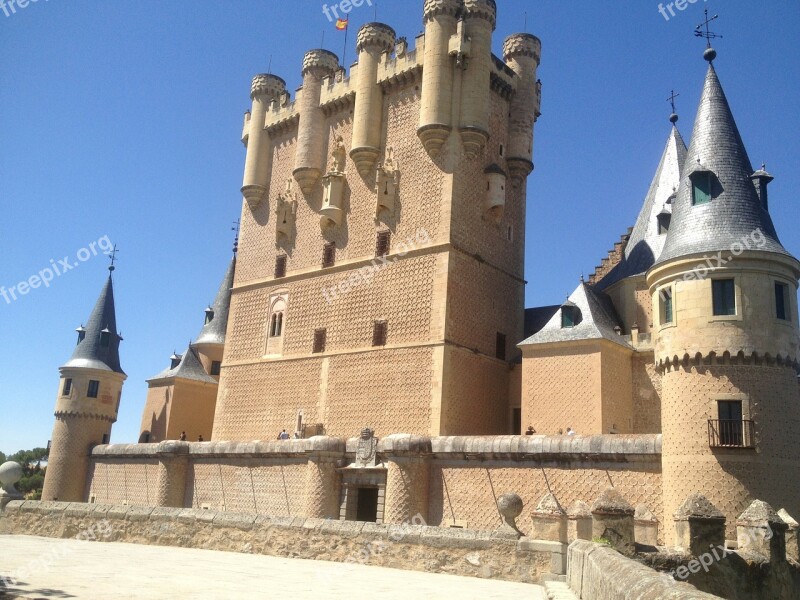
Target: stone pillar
[
  {"x": 549, "y": 520},
  {"x": 698, "y": 525},
  {"x": 645, "y": 526},
  {"x": 612, "y": 519},
  {"x": 792, "y": 541},
  {"x": 579, "y": 521},
  {"x": 760, "y": 529},
  {"x": 407, "y": 460},
  {"x": 173, "y": 467},
  {"x": 10, "y": 474},
  {"x": 323, "y": 483}
]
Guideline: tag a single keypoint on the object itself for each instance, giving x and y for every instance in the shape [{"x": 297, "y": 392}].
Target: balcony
[{"x": 724, "y": 433}]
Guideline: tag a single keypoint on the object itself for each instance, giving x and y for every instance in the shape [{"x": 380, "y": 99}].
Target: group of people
[
  {"x": 283, "y": 435},
  {"x": 530, "y": 431}
]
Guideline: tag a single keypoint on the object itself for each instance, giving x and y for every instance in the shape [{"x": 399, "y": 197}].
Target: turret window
[
  {"x": 782, "y": 301},
  {"x": 94, "y": 389},
  {"x": 723, "y": 292},
  {"x": 105, "y": 338},
  {"x": 665, "y": 306},
  {"x": 216, "y": 367},
  {"x": 67, "y": 389},
  {"x": 701, "y": 187},
  {"x": 209, "y": 315}
]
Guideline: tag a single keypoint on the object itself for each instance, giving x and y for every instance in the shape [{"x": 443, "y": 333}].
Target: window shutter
[
  {"x": 383, "y": 243},
  {"x": 329, "y": 255}
]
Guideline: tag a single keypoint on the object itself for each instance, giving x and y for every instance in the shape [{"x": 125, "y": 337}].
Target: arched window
[{"x": 275, "y": 324}]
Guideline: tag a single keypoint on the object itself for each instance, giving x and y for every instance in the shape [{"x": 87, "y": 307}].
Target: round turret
[
  {"x": 322, "y": 61},
  {"x": 434, "y": 8},
  {"x": 375, "y": 35},
  {"x": 522, "y": 44},
  {"x": 266, "y": 84},
  {"x": 484, "y": 9}
]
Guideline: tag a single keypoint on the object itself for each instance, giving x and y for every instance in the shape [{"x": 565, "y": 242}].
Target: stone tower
[
  {"x": 87, "y": 403},
  {"x": 724, "y": 294},
  {"x": 384, "y": 286}
]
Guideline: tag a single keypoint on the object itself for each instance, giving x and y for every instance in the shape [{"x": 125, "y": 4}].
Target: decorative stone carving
[
  {"x": 387, "y": 182},
  {"x": 510, "y": 507},
  {"x": 10, "y": 474},
  {"x": 285, "y": 214},
  {"x": 366, "y": 452},
  {"x": 333, "y": 184}
]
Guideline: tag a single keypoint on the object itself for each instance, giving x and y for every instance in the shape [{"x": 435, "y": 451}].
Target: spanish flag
[{"x": 341, "y": 24}]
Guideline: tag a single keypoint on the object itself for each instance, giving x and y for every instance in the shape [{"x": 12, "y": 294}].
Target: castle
[{"x": 379, "y": 287}]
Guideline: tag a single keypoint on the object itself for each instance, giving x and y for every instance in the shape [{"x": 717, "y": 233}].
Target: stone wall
[{"x": 405, "y": 546}]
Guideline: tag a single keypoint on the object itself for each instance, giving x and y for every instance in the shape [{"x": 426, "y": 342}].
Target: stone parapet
[
  {"x": 459, "y": 551},
  {"x": 698, "y": 525}
]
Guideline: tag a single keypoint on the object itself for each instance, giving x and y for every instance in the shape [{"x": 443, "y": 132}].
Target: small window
[
  {"x": 567, "y": 317},
  {"x": 782, "y": 301},
  {"x": 209, "y": 315},
  {"x": 105, "y": 338},
  {"x": 280, "y": 266},
  {"x": 94, "y": 388},
  {"x": 320, "y": 337},
  {"x": 67, "y": 390},
  {"x": 383, "y": 242},
  {"x": 730, "y": 422},
  {"x": 500, "y": 346},
  {"x": 329, "y": 255},
  {"x": 379, "y": 331},
  {"x": 664, "y": 220},
  {"x": 501, "y": 149},
  {"x": 105, "y": 438},
  {"x": 723, "y": 292},
  {"x": 701, "y": 187},
  {"x": 81, "y": 335},
  {"x": 216, "y": 367},
  {"x": 276, "y": 325},
  {"x": 510, "y": 233},
  {"x": 665, "y": 308}
]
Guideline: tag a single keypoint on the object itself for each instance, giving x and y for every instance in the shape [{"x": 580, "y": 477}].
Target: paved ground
[{"x": 56, "y": 568}]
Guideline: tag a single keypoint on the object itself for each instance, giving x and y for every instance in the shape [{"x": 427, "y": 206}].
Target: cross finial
[
  {"x": 709, "y": 54},
  {"x": 673, "y": 118},
  {"x": 236, "y": 227},
  {"x": 112, "y": 254}
]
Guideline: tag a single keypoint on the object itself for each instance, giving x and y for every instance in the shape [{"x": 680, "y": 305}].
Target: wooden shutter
[
  {"x": 329, "y": 255},
  {"x": 383, "y": 243}
]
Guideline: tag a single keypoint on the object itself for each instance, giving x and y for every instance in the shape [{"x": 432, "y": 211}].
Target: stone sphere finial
[
  {"x": 710, "y": 54},
  {"x": 10, "y": 474},
  {"x": 510, "y": 506}
]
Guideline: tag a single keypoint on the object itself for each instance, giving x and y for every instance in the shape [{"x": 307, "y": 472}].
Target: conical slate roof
[
  {"x": 189, "y": 367},
  {"x": 645, "y": 243},
  {"x": 96, "y": 350},
  {"x": 213, "y": 332},
  {"x": 735, "y": 213},
  {"x": 598, "y": 318}
]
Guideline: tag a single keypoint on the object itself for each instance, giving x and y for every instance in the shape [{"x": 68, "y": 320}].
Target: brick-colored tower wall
[
  {"x": 646, "y": 383},
  {"x": 68, "y": 462},
  {"x": 731, "y": 478}
]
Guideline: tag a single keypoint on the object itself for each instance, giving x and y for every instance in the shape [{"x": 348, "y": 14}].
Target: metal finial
[
  {"x": 112, "y": 254},
  {"x": 673, "y": 118},
  {"x": 763, "y": 166},
  {"x": 236, "y": 227},
  {"x": 710, "y": 54}
]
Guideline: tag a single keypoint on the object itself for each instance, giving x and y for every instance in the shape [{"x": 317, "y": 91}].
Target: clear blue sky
[{"x": 123, "y": 119}]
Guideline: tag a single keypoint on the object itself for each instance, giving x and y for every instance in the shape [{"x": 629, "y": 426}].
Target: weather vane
[
  {"x": 112, "y": 254},
  {"x": 707, "y": 34},
  {"x": 674, "y": 116}
]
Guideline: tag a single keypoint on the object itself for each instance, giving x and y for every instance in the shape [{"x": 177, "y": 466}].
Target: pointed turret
[
  {"x": 717, "y": 207},
  {"x": 98, "y": 340},
  {"x": 649, "y": 233},
  {"x": 87, "y": 402},
  {"x": 213, "y": 331}
]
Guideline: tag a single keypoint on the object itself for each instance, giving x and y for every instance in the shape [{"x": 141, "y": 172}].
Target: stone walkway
[{"x": 56, "y": 568}]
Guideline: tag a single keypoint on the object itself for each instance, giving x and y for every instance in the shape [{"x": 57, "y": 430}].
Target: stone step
[{"x": 558, "y": 590}]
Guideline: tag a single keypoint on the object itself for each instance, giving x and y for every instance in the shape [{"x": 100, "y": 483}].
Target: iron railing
[{"x": 724, "y": 433}]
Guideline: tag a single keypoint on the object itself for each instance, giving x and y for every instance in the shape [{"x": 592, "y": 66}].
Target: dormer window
[
  {"x": 664, "y": 220},
  {"x": 81, "y": 334},
  {"x": 105, "y": 338},
  {"x": 174, "y": 361},
  {"x": 570, "y": 315},
  {"x": 702, "y": 182},
  {"x": 209, "y": 315}
]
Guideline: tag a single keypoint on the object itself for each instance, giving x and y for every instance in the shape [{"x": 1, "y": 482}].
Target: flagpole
[{"x": 344, "y": 50}]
